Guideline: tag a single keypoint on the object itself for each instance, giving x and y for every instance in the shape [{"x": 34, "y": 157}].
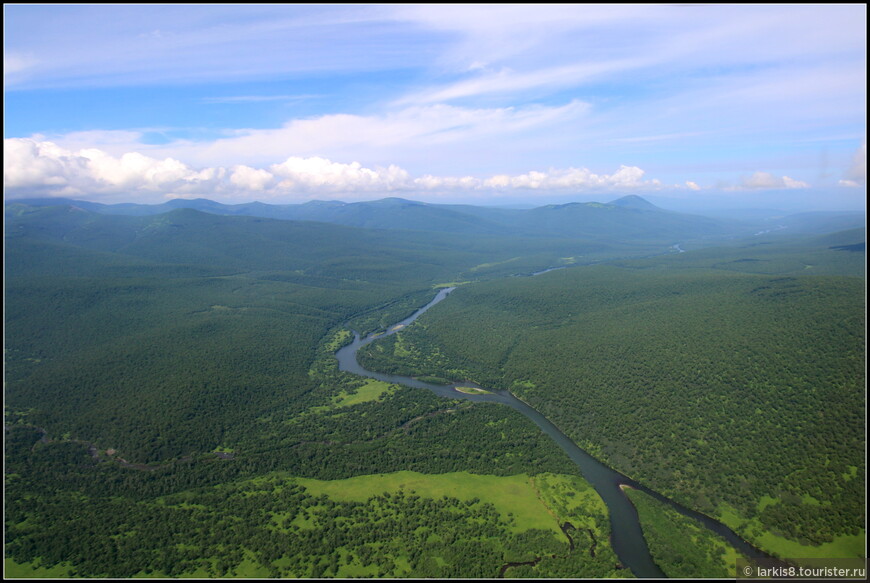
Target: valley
[{"x": 203, "y": 345}]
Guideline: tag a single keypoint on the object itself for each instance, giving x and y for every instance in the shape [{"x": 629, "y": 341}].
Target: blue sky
[{"x": 723, "y": 105}]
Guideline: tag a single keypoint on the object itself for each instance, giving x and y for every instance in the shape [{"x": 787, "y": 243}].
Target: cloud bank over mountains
[{"x": 42, "y": 168}]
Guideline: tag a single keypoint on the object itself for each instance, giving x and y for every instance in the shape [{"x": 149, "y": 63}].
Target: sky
[{"x": 727, "y": 106}]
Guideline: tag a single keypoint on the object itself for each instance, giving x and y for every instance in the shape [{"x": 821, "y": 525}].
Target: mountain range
[{"x": 629, "y": 217}]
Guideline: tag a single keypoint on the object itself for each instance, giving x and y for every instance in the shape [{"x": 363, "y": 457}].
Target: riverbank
[
  {"x": 627, "y": 535},
  {"x": 473, "y": 391}
]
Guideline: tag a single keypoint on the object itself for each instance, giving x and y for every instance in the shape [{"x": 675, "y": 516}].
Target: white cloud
[
  {"x": 630, "y": 177},
  {"x": 766, "y": 180},
  {"x": 14, "y": 63},
  {"x": 33, "y": 167},
  {"x": 322, "y": 175},
  {"x": 418, "y": 129},
  {"x": 248, "y": 178},
  {"x": 115, "y": 142},
  {"x": 429, "y": 182},
  {"x": 163, "y": 44},
  {"x": 134, "y": 170},
  {"x": 482, "y": 35},
  {"x": 32, "y": 164},
  {"x": 857, "y": 172},
  {"x": 507, "y": 81},
  {"x": 44, "y": 168},
  {"x": 791, "y": 183},
  {"x": 579, "y": 179},
  {"x": 692, "y": 185}
]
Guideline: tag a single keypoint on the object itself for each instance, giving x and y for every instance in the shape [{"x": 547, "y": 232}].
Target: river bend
[{"x": 626, "y": 534}]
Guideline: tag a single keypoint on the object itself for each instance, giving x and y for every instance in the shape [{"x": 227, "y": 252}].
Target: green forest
[
  {"x": 737, "y": 394},
  {"x": 149, "y": 358},
  {"x": 173, "y": 406},
  {"x": 274, "y": 526},
  {"x": 679, "y": 545}
]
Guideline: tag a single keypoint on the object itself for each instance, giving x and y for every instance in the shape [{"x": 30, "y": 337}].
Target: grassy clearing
[
  {"x": 523, "y": 385},
  {"x": 198, "y": 574},
  {"x": 844, "y": 546},
  {"x": 249, "y": 568},
  {"x": 371, "y": 391},
  {"x": 338, "y": 340},
  {"x": 13, "y": 570},
  {"x": 511, "y": 495},
  {"x": 571, "y": 499},
  {"x": 493, "y": 264},
  {"x": 354, "y": 569},
  {"x": 400, "y": 350},
  {"x": 766, "y": 501}
]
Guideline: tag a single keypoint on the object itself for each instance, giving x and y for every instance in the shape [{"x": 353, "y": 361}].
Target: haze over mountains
[{"x": 629, "y": 217}]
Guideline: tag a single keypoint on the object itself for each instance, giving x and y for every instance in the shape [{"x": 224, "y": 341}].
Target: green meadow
[
  {"x": 842, "y": 546},
  {"x": 512, "y": 496},
  {"x": 33, "y": 569}
]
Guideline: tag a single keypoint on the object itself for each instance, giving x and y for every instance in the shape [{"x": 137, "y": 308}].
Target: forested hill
[
  {"x": 171, "y": 335},
  {"x": 246, "y": 243},
  {"x": 188, "y": 236},
  {"x": 629, "y": 217},
  {"x": 109, "y": 318}
]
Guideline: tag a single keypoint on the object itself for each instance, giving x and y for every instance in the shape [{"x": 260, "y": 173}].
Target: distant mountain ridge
[
  {"x": 626, "y": 218},
  {"x": 635, "y": 202}
]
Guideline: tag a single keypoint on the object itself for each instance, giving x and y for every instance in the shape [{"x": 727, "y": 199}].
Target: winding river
[{"x": 626, "y": 535}]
